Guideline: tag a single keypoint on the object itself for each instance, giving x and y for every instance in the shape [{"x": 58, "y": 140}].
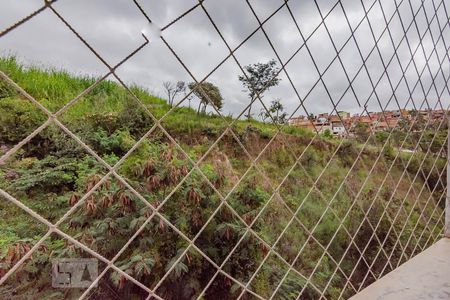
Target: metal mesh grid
[{"x": 378, "y": 254}]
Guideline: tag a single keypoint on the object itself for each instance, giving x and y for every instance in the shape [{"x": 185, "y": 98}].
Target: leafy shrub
[
  {"x": 18, "y": 118},
  {"x": 47, "y": 174},
  {"x": 389, "y": 153},
  {"x": 348, "y": 152}
]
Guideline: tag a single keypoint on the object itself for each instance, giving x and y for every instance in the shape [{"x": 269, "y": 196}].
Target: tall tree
[
  {"x": 208, "y": 93},
  {"x": 173, "y": 89},
  {"x": 261, "y": 77},
  {"x": 275, "y": 112}
]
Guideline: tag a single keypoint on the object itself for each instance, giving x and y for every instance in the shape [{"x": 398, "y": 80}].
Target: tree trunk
[
  {"x": 198, "y": 109},
  {"x": 249, "y": 115}
]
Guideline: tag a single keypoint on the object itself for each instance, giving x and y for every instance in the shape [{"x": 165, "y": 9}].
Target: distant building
[
  {"x": 335, "y": 118},
  {"x": 323, "y": 127},
  {"x": 364, "y": 119},
  {"x": 296, "y": 120},
  {"x": 438, "y": 114},
  {"x": 376, "y": 121},
  {"x": 373, "y": 115},
  {"x": 344, "y": 114},
  {"x": 392, "y": 122},
  {"x": 322, "y": 120},
  {"x": 387, "y": 114},
  {"x": 425, "y": 113},
  {"x": 402, "y": 113},
  {"x": 380, "y": 126},
  {"x": 338, "y": 128},
  {"x": 302, "y": 122}
]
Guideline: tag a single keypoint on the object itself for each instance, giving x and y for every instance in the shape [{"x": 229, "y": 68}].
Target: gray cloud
[{"x": 113, "y": 28}]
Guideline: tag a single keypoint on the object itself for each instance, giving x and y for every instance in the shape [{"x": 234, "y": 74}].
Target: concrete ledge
[{"x": 426, "y": 276}]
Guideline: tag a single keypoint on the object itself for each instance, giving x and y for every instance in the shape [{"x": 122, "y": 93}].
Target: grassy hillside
[{"x": 51, "y": 173}]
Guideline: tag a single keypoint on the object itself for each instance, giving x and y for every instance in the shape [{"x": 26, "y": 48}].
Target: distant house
[
  {"x": 323, "y": 127},
  {"x": 392, "y": 122},
  {"x": 375, "y": 121},
  {"x": 365, "y": 120},
  {"x": 380, "y": 125},
  {"x": 302, "y": 122},
  {"x": 322, "y": 120},
  {"x": 323, "y": 115},
  {"x": 334, "y": 118},
  {"x": 438, "y": 114},
  {"x": 344, "y": 115},
  {"x": 400, "y": 113},
  {"x": 338, "y": 128},
  {"x": 297, "y": 120},
  {"x": 387, "y": 114},
  {"x": 374, "y": 115},
  {"x": 425, "y": 113}
]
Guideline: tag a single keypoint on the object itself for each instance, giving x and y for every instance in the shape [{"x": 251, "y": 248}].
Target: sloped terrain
[{"x": 338, "y": 213}]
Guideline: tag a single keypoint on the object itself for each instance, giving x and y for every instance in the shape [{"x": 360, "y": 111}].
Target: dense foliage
[
  {"x": 51, "y": 174},
  {"x": 260, "y": 77}
]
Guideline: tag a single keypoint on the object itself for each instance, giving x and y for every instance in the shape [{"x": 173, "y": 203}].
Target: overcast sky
[{"x": 113, "y": 28}]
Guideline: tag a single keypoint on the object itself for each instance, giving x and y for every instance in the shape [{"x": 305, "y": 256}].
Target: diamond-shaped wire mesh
[{"x": 187, "y": 205}]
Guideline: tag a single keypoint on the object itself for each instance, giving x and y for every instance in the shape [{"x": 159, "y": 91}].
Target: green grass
[{"x": 54, "y": 88}]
